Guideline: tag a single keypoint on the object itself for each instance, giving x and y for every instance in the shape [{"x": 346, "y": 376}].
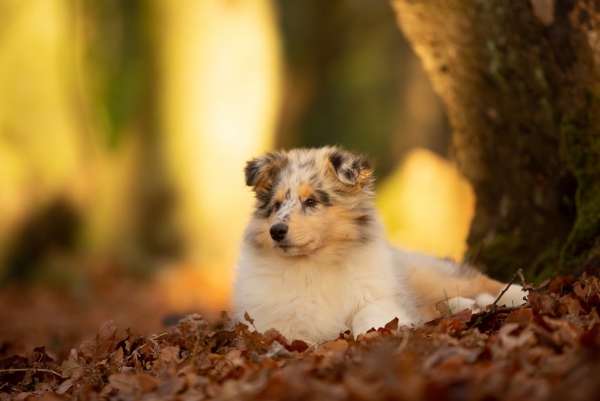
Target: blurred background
[{"x": 125, "y": 127}]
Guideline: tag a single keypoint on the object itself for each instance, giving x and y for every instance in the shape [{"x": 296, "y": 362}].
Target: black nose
[{"x": 278, "y": 231}]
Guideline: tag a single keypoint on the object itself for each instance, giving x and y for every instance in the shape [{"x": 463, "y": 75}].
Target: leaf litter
[{"x": 548, "y": 349}]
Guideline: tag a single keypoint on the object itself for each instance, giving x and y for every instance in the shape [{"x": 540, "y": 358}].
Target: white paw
[
  {"x": 457, "y": 304},
  {"x": 511, "y": 298}
]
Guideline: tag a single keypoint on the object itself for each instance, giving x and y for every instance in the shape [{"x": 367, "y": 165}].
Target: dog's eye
[
  {"x": 277, "y": 205},
  {"x": 310, "y": 202}
]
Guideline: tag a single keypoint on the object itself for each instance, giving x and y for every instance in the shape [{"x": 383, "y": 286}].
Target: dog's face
[{"x": 309, "y": 200}]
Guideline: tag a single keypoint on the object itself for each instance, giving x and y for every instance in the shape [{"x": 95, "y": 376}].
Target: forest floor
[{"x": 51, "y": 348}]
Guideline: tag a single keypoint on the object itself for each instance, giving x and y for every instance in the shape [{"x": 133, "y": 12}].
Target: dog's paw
[
  {"x": 513, "y": 297},
  {"x": 457, "y": 304}
]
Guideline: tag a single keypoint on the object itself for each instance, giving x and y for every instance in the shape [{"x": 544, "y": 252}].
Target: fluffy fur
[{"x": 314, "y": 261}]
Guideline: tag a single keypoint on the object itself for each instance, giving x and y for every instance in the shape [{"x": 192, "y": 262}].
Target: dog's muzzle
[{"x": 278, "y": 231}]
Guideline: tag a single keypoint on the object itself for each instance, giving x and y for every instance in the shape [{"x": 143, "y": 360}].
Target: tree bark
[{"x": 520, "y": 81}]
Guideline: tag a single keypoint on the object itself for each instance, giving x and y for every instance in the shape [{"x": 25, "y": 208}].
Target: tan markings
[
  {"x": 330, "y": 169},
  {"x": 278, "y": 196},
  {"x": 305, "y": 191},
  {"x": 268, "y": 172},
  {"x": 264, "y": 183},
  {"x": 364, "y": 174}
]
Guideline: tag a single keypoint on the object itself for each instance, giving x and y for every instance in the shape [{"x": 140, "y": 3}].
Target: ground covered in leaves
[{"x": 549, "y": 349}]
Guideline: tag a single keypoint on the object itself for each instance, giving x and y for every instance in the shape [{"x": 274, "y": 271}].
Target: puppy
[{"x": 314, "y": 261}]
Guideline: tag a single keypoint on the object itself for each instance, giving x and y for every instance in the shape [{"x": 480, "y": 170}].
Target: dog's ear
[
  {"x": 261, "y": 171},
  {"x": 351, "y": 169}
]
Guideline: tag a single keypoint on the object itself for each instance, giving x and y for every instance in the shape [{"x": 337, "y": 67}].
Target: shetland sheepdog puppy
[{"x": 314, "y": 261}]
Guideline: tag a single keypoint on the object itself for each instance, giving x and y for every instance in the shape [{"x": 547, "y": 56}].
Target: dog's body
[{"x": 314, "y": 261}]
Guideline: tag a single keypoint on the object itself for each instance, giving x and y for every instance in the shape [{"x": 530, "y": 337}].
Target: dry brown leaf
[
  {"x": 147, "y": 383},
  {"x": 463, "y": 316},
  {"x": 115, "y": 361},
  {"x": 332, "y": 346},
  {"x": 125, "y": 383},
  {"x": 542, "y": 302},
  {"x": 278, "y": 351},
  {"x": 392, "y": 325},
  {"x": 273, "y": 335},
  {"x": 563, "y": 330},
  {"x": 104, "y": 343},
  {"x": 527, "y": 353},
  {"x": 511, "y": 341},
  {"x": 522, "y": 317},
  {"x": 65, "y": 386},
  {"x": 586, "y": 287},
  {"x": 170, "y": 354},
  {"x": 443, "y": 308},
  {"x": 71, "y": 367},
  {"x": 560, "y": 285},
  {"x": 298, "y": 346}
]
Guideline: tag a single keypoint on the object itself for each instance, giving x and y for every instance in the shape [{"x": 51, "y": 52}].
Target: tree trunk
[{"x": 520, "y": 83}]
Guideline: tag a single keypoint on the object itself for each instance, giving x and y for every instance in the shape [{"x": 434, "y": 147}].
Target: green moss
[
  {"x": 495, "y": 65},
  {"x": 540, "y": 77},
  {"x": 499, "y": 255},
  {"x": 545, "y": 265},
  {"x": 580, "y": 152},
  {"x": 507, "y": 253}
]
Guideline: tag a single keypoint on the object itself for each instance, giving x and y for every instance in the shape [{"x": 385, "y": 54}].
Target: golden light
[
  {"x": 427, "y": 206},
  {"x": 40, "y": 149},
  {"x": 221, "y": 67}
]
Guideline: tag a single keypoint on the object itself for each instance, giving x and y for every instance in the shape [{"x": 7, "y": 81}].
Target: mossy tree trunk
[{"x": 520, "y": 81}]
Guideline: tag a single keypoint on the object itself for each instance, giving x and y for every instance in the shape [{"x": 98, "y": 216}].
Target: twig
[
  {"x": 519, "y": 273},
  {"x": 193, "y": 360},
  {"x": 447, "y": 303},
  {"x": 28, "y": 369}
]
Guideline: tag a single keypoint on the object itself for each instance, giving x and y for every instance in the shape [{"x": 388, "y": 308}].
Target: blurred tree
[
  {"x": 41, "y": 156},
  {"x": 351, "y": 79},
  {"x": 117, "y": 53},
  {"x": 136, "y": 119},
  {"x": 116, "y": 42},
  {"x": 219, "y": 97},
  {"x": 521, "y": 84}
]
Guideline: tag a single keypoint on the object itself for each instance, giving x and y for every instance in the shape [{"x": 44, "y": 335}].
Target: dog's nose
[{"x": 278, "y": 231}]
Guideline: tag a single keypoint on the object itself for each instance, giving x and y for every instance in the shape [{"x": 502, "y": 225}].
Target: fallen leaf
[
  {"x": 392, "y": 325},
  {"x": 64, "y": 387},
  {"x": 125, "y": 383},
  {"x": 332, "y": 346},
  {"x": 522, "y": 317},
  {"x": 542, "y": 302},
  {"x": 586, "y": 287},
  {"x": 298, "y": 346},
  {"x": 510, "y": 341},
  {"x": 443, "y": 308},
  {"x": 71, "y": 367},
  {"x": 170, "y": 354},
  {"x": 104, "y": 342},
  {"x": 278, "y": 351},
  {"x": 147, "y": 383}
]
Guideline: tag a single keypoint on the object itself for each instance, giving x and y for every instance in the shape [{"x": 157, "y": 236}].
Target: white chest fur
[{"x": 312, "y": 298}]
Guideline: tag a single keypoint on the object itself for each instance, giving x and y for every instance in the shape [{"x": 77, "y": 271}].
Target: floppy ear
[
  {"x": 351, "y": 169},
  {"x": 261, "y": 171}
]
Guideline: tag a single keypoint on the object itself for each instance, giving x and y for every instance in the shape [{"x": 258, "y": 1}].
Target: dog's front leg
[{"x": 377, "y": 314}]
